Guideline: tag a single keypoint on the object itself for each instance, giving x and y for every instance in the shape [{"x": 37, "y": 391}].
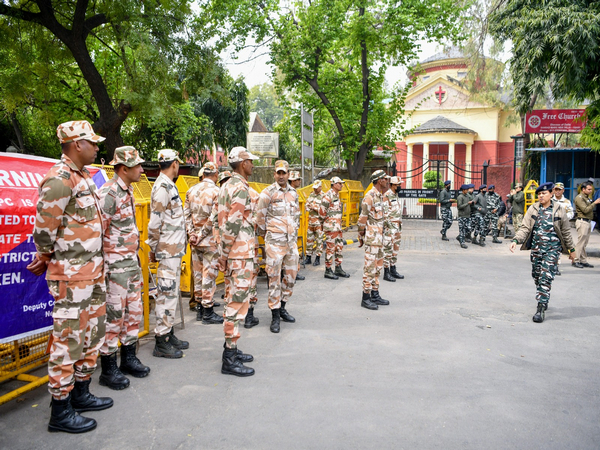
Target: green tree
[
  {"x": 265, "y": 101},
  {"x": 333, "y": 55}
]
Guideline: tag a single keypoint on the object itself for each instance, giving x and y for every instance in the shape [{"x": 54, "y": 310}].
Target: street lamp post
[{"x": 517, "y": 140}]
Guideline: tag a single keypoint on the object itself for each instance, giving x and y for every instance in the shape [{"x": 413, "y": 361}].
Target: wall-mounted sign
[
  {"x": 554, "y": 121},
  {"x": 263, "y": 144}
]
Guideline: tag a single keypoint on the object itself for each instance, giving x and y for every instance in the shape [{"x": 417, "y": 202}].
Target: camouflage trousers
[
  {"x": 238, "y": 280},
  {"x": 391, "y": 244},
  {"x": 501, "y": 223},
  {"x": 204, "y": 268},
  {"x": 479, "y": 226},
  {"x": 253, "y": 289},
  {"x": 79, "y": 326},
  {"x": 373, "y": 263},
  {"x": 314, "y": 240},
  {"x": 167, "y": 283},
  {"x": 517, "y": 220},
  {"x": 123, "y": 309},
  {"x": 472, "y": 223},
  {"x": 447, "y": 219},
  {"x": 543, "y": 270},
  {"x": 333, "y": 248},
  {"x": 463, "y": 228},
  {"x": 281, "y": 257},
  {"x": 491, "y": 224}
]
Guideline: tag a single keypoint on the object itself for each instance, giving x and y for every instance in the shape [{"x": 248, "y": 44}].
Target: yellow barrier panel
[
  {"x": 184, "y": 183},
  {"x": 356, "y": 193},
  {"x": 529, "y": 192}
]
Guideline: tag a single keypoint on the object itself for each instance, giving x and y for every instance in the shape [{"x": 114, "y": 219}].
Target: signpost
[
  {"x": 306, "y": 138},
  {"x": 554, "y": 121}
]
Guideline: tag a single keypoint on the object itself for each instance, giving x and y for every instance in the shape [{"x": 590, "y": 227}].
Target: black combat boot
[
  {"x": 329, "y": 274},
  {"x": 463, "y": 245},
  {"x": 199, "y": 312},
  {"x": 276, "y": 317},
  {"x": 444, "y": 237},
  {"x": 367, "y": 303},
  {"x": 387, "y": 276},
  {"x": 540, "y": 314},
  {"x": 395, "y": 274},
  {"x": 63, "y": 418},
  {"x": 250, "y": 320},
  {"x": 176, "y": 342},
  {"x": 243, "y": 357},
  {"x": 211, "y": 317},
  {"x": 163, "y": 348},
  {"x": 340, "y": 272},
  {"x": 468, "y": 238},
  {"x": 111, "y": 376},
  {"x": 300, "y": 277},
  {"x": 82, "y": 400},
  {"x": 233, "y": 366},
  {"x": 495, "y": 239},
  {"x": 308, "y": 259},
  {"x": 285, "y": 316},
  {"x": 482, "y": 241},
  {"x": 130, "y": 364},
  {"x": 317, "y": 260},
  {"x": 376, "y": 298}
]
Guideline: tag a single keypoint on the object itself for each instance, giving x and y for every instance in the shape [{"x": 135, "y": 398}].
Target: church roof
[
  {"x": 440, "y": 124},
  {"x": 451, "y": 53}
]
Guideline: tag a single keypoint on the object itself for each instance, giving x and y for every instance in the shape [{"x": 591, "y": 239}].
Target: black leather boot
[
  {"x": 285, "y": 316},
  {"x": 233, "y": 366},
  {"x": 300, "y": 277},
  {"x": 64, "y": 418},
  {"x": 340, "y": 272},
  {"x": 211, "y": 317},
  {"x": 250, "y": 320},
  {"x": 376, "y": 298},
  {"x": 111, "y": 376},
  {"x": 317, "y": 260},
  {"x": 395, "y": 274},
  {"x": 387, "y": 276},
  {"x": 243, "y": 357},
  {"x": 275, "y": 320},
  {"x": 82, "y": 400},
  {"x": 367, "y": 303},
  {"x": 130, "y": 364},
  {"x": 539, "y": 316},
  {"x": 308, "y": 259},
  {"x": 468, "y": 238},
  {"x": 495, "y": 239},
  {"x": 164, "y": 349},
  {"x": 482, "y": 241},
  {"x": 176, "y": 342},
  {"x": 199, "y": 312},
  {"x": 444, "y": 237},
  {"x": 329, "y": 274}
]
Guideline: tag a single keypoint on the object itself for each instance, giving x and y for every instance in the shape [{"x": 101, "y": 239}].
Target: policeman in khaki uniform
[
  {"x": 314, "y": 233},
  {"x": 124, "y": 274},
  {"x": 199, "y": 202},
  {"x": 68, "y": 239},
  {"x": 330, "y": 214},
  {"x": 167, "y": 242},
  {"x": 371, "y": 223},
  {"x": 278, "y": 220},
  {"x": 392, "y": 235}
]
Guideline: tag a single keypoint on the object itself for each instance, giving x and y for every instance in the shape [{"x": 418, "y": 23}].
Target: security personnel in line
[
  {"x": 472, "y": 220},
  {"x": 463, "y": 204},
  {"x": 446, "y": 200},
  {"x": 295, "y": 181},
  {"x": 491, "y": 219},
  {"x": 584, "y": 208},
  {"x": 392, "y": 235},
  {"x": 314, "y": 233},
  {"x": 545, "y": 231},
  {"x": 330, "y": 213},
  {"x": 480, "y": 206},
  {"x": 517, "y": 200}
]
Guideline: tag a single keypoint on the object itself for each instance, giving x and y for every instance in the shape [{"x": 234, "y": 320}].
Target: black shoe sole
[
  {"x": 166, "y": 355},
  {"x": 225, "y": 372},
  {"x": 114, "y": 388},
  {"x": 370, "y": 307},
  {"x": 250, "y": 325},
  {"x": 393, "y": 280},
  {"x": 135, "y": 374},
  {"x": 331, "y": 278},
  {"x": 212, "y": 322},
  {"x": 96, "y": 408},
  {"x": 288, "y": 321},
  {"x": 53, "y": 429}
]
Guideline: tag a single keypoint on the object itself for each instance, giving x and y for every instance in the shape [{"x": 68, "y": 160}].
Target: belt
[{"x": 584, "y": 219}]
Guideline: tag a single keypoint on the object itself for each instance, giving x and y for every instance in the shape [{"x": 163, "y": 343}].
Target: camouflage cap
[
  {"x": 239, "y": 154},
  {"x": 167, "y": 155},
  {"x": 201, "y": 172},
  {"x": 127, "y": 155},
  {"x": 519, "y": 185},
  {"x": 337, "y": 180},
  {"x": 317, "y": 184},
  {"x": 282, "y": 165},
  {"x": 396, "y": 180},
  {"x": 294, "y": 175},
  {"x": 559, "y": 185},
  {"x": 76, "y": 131},
  {"x": 378, "y": 175},
  {"x": 224, "y": 176},
  {"x": 209, "y": 168}
]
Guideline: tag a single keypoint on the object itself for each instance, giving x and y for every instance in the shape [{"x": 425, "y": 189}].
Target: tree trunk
[{"x": 18, "y": 133}]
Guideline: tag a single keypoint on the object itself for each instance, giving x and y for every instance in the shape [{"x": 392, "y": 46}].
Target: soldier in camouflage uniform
[
  {"x": 236, "y": 260},
  {"x": 330, "y": 213},
  {"x": 480, "y": 206},
  {"x": 68, "y": 238},
  {"x": 517, "y": 200},
  {"x": 124, "y": 274},
  {"x": 472, "y": 220},
  {"x": 199, "y": 202},
  {"x": 392, "y": 235},
  {"x": 371, "y": 223},
  {"x": 167, "y": 242},
  {"x": 546, "y": 232},
  {"x": 295, "y": 181},
  {"x": 252, "y": 320},
  {"x": 446, "y": 200},
  {"x": 463, "y": 204},
  {"x": 491, "y": 219},
  {"x": 314, "y": 233},
  {"x": 278, "y": 220}
]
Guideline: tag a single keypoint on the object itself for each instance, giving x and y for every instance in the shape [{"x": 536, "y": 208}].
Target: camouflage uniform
[
  {"x": 491, "y": 218},
  {"x": 253, "y": 290},
  {"x": 236, "y": 245},
  {"x": 167, "y": 240},
  {"x": 124, "y": 274},
  {"x": 472, "y": 222},
  {"x": 330, "y": 213},
  {"x": 371, "y": 222},
  {"x": 314, "y": 233},
  {"x": 464, "y": 219},
  {"x": 278, "y": 220},
  {"x": 68, "y": 236},
  {"x": 446, "y": 210},
  {"x": 393, "y": 230},
  {"x": 480, "y": 208},
  {"x": 518, "y": 207}
]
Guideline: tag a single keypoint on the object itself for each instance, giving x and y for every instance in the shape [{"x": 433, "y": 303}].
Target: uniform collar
[
  {"x": 165, "y": 178},
  {"x": 122, "y": 184},
  {"x": 69, "y": 162}
]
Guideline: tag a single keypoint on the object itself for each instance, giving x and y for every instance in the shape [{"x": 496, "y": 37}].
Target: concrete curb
[{"x": 353, "y": 241}]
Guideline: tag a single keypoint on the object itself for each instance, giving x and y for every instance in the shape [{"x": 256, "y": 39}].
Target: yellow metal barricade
[
  {"x": 529, "y": 192},
  {"x": 356, "y": 194}
]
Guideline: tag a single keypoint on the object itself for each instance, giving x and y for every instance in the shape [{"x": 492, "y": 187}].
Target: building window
[
  {"x": 426, "y": 77},
  {"x": 460, "y": 75},
  {"x": 519, "y": 150}
]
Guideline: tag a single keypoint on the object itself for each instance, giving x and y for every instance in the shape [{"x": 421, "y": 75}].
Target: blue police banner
[{"x": 25, "y": 302}]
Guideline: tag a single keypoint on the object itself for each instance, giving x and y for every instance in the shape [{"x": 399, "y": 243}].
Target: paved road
[{"x": 454, "y": 362}]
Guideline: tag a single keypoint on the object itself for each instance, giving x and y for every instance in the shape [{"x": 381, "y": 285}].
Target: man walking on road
[
  {"x": 491, "y": 219},
  {"x": 584, "y": 208},
  {"x": 480, "y": 206},
  {"x": 446, "y": 200},
  {"x": 517, "y": 200},
  {"x": 463, "y": 204},
  {"x": 330, "y": 214}
]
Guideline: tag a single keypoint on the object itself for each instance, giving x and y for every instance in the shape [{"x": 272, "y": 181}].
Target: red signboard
[{"x": 554, "y": 121}]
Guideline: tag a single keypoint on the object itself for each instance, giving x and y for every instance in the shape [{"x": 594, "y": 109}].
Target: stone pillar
[
  {"x": 425, "y": 156},
  {"x": 468, "y": 163},
  {"x": 451, "y": 162},
  {"x": 409, "y": 157}
]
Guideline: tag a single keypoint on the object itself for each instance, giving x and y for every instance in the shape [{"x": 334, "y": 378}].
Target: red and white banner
[{"x": 555, "y": 121}]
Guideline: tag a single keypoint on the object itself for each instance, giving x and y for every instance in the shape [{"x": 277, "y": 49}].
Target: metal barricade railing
[
  {"x": 529, "y": 192},
  {"x": 355, "y": 196}
]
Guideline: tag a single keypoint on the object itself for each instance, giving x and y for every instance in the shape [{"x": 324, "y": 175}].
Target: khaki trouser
[{"x": 584, "y": 230}]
